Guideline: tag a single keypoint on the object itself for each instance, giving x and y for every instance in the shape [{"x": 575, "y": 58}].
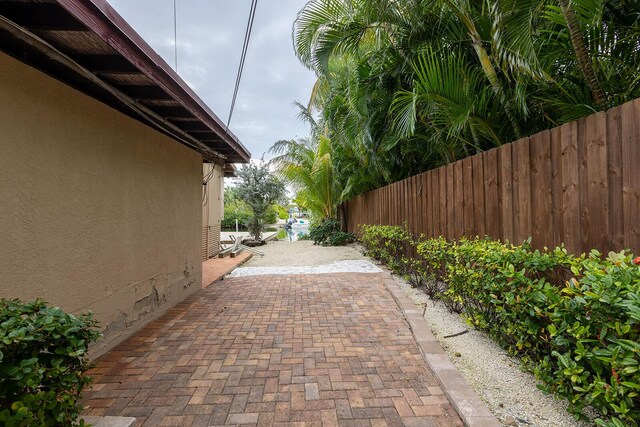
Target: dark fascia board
[{"x": 101, "y": 19}]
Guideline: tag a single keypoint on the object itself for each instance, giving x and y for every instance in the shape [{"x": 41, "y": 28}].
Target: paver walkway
[{"x": 325, "y": 349}]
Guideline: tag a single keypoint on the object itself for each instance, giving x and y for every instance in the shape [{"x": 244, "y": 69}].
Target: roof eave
[{"x": 100, "y": 18}]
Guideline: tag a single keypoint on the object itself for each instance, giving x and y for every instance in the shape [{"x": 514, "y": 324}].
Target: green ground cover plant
[
  {"x": 43, "y": 358},
  {"x": 328, "y": 233},
  {"x": 574, "y": 321}
]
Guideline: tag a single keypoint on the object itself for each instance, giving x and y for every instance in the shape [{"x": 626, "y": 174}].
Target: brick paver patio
[{"x": 313, "y": 350}]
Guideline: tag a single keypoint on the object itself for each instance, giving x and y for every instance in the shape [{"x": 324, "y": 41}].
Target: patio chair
[
  {"x": 244, "y": 247},
  {"x": 232, "y": 250}
]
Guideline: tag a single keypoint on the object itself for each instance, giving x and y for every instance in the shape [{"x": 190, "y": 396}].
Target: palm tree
[
  {"x": 453, "y": 100},
  {"x": 405, "y": 86},
  {"x": 307, "y": 165},
  {"x": 603, "y": 37},
  {"x": 582, "y": 54}
]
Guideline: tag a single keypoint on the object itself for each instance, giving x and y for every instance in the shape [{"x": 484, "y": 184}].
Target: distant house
[{"x": 102, "y": 153}]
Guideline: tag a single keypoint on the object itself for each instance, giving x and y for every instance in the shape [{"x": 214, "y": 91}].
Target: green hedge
[
  {"x": 573, "y": 320},
  {"x": 43, "y": 358},
  {"x": 237, "y": 209}
]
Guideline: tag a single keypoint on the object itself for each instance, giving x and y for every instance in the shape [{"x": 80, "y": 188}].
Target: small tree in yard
[{"x": 260, "y": 189}]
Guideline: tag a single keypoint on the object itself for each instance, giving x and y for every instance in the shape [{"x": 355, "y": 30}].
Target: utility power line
[
  {"x": 245, "y": 45},
  {"x": 175, "y": 36}
]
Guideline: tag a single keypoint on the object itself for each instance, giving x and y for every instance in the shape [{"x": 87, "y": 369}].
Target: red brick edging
[{"x": 472, "y": 410}]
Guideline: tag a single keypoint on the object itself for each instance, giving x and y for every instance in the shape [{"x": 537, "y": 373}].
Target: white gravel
[
  {"x": 496, "y": 377},
  {"x": 349, "y": 266}
]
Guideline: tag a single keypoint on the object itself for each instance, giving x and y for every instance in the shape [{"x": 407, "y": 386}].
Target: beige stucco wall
[
  {"x": 213, "y": 195},
  {"x": 212, "y": 208},
  {"x": 97, "y": 211}
]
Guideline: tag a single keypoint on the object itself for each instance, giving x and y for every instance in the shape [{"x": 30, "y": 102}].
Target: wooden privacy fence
[{"x": 577, "y": 184}]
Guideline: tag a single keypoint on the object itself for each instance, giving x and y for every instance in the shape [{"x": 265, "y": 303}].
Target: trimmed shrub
[
  {"x": 43, "y": 358},
  {"x": 433, "y": 256},
  {"x": 573, "y": 320},
  {"x": 389, "y": 244},
  {"x": 328, "y": 233}
]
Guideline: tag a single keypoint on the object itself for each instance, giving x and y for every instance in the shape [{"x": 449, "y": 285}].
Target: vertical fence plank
[
  {"x": 450, "y": 202},
  {"x": 428, "y": 228},
  {"x": 478, "y": 195},
  {"x": 437, "y": 197},
  {"x": 598, "y": 182},
  {"x": 631, "y": 174},
  {"x": 614, "y": 167},
  {"x": 416, "y": 209},
  {"x": 405, "y": 201},
  {"x": 521, "y": 190},
  {"x": 459, "y": 200},
  {"x": 555, "y": 135},
  {"x": 505, "y": 191},
  {"x": 442, "y": 203},
  {"x": 409, "y": 196},
  {"x": 583, "y": 186},
  {"x": 425, "y": 201},
  {"x": 467, "y": 184},
  {"x": 570, "y": 209},
  {"x": 542, "y": 201},
  {"x": 400, "y": 200},
  {"x": 491, "y": 198},
  {"x": 394, "y": 206},
  {"x": 379, "y": 206},
  {"x": 387, "y": 192}
]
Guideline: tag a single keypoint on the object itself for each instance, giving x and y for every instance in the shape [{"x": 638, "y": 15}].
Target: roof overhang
[
  {"x": 230, "y": 170},
  {"x": 87, "y": 45}
]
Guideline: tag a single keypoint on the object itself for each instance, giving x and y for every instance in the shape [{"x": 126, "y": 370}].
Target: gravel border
[
  {"x": 471, "y": 409},
  {"x": 510, "y": 393}
]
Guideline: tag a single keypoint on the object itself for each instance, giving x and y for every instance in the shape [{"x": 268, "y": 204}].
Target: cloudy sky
[{"x": 210, "y": 36}]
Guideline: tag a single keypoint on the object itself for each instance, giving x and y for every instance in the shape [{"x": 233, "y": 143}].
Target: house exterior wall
[
  {"x": 212, "y": 209},
  {"x": 97, "y": 211}
]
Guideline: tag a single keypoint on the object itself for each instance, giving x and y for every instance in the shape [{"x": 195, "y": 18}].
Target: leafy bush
[
  {"x": 389, "y": 244},
  {"x": 328, "y": 233},
  {"x": 430, "y": 266},
  {"x": 573, "y": 320},
  {"x": 271, "y": 215},
  {"x": 43, "y": 356},
  {"x": 236, "y": 209}
]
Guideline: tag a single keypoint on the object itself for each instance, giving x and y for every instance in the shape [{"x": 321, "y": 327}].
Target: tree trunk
[
  {"x": 582, "y": 54},
  {"x": 490, "y": 72}
]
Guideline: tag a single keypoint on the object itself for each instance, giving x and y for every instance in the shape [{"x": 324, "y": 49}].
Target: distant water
[{"x": 295, "y": 233}]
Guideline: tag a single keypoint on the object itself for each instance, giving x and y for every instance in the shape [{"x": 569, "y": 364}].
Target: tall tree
[{"x": 259, "y": 189}]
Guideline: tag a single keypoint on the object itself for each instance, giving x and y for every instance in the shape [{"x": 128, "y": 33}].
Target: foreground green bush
[
  {"x": 43, "y": 356},
  {"x": 573, "y": 321}
]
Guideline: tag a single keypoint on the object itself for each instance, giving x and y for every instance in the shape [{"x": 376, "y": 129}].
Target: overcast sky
[{"x": 210, "y": 36}]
